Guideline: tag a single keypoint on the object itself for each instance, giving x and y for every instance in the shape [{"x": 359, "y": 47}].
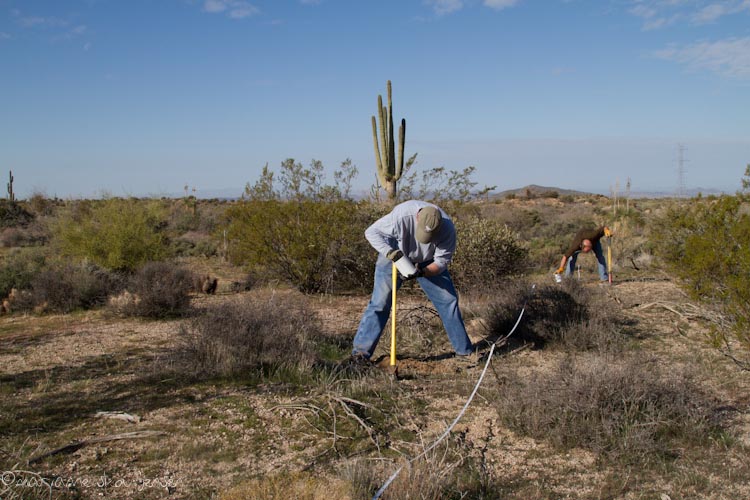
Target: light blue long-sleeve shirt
[{"x": 398, "y": 229}]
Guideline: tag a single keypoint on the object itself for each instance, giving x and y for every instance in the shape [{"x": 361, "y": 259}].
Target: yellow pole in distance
[
  {"x": 609, "y": 259},
  {"x": 393, "y": 316}
]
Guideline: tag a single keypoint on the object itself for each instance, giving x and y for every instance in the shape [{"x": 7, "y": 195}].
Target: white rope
[{"x": 463, "y": 410}]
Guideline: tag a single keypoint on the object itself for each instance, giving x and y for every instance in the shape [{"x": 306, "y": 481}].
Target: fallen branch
[
  {"x": 370, "y": 431},
  {"x": 119, "y": 415},
  {"x": 685, "y": 311},
  {"x": 70, "y": 448}
]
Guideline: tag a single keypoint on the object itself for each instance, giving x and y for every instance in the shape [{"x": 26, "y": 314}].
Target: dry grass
[
  {"x": 248, "y": 334},
  {"x": 628, "y": 409}
]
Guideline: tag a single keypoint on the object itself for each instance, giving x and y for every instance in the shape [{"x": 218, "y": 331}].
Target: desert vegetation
[{"x": 188, "y": 348}]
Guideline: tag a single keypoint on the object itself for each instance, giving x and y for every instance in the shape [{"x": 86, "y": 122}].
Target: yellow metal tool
[
  {"x": 393, "y": 316},
  {"x": 609, "y": 258}
]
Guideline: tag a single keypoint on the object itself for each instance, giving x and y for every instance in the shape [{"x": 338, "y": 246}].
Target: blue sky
[{"x": 143, "y": 97}]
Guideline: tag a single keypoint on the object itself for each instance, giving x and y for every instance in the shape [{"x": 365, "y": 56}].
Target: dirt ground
[{"x": 180, "y": 439}]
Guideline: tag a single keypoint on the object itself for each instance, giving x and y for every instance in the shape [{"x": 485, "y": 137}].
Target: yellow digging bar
[
  {"x": 609, "y": 258},
  {"x": 393, "y": 317}
]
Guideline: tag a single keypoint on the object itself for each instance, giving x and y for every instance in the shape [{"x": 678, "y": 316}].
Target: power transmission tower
[
  {"x": 627, "y": 196},
  {"x": 681, "y": 190}
]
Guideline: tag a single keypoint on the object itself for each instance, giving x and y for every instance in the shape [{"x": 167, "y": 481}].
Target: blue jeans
[
  {"x": 602, "y": 262},
  {"x": 439, "y": 289}
]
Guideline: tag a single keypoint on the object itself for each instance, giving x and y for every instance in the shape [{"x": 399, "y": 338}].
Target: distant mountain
[
  {"x": 544, "y": 191},
  {"x": 537, "y": 192}
]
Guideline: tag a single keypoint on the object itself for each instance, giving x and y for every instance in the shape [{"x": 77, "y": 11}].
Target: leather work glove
[
  {"x": 560, "y": 270},
  {"x": 394, "y": 255},
  {"x": 418, "y": 274},
  {"x": 607, "y": 232}
]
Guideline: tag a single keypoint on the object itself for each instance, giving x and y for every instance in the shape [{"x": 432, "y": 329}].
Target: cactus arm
[
  {"x": 401, "y": 142},
  {"x": 378, "y": 162},
  {"x": 391, "y": 144},
  {"x": 383, "y": 137}
]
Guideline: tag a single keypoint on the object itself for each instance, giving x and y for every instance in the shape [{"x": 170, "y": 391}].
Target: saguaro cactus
[
  {"x": 390, "y": 166},
  {"x": 11, "y": 196}
]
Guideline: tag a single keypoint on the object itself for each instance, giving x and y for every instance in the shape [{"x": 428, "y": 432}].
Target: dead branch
[
  {"x": 70, "y": 448},
  {"x": 119, "y": 415},
  {"x": 361, "y": 422}
]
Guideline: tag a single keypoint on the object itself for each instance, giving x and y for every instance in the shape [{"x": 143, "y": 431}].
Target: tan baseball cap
[{"x": 428, "y": 223}]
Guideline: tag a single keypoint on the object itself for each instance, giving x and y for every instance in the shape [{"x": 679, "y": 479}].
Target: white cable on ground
[{"x": 463, "y": 410}]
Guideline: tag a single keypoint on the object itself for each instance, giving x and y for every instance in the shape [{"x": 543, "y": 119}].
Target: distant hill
[
  {"x": 544, "y": 191},
  {"x": 538, "y": 191}
]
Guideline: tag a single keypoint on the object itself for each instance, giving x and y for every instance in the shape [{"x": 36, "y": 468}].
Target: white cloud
[
  {"x": 711, "y": 13},
  {"x": 500, "y": 4},
  {"x": 215, "y": 5},
  {"x": 652, "y": 17},
  {"x": 235, "y": 9},
  {"x": 442, "y": 7},
  {"x": 660, "y": 13},
  {"x": 730, "y": 57}
]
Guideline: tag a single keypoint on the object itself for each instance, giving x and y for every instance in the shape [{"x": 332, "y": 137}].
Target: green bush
[
  {"x": 12, "y": 214},
  {"x": 19, "y": 269},
  {"x": 117, "y": 234},
  {"x": 317, "y": 246},
  {"x": 486, "y": 252},
  {"x": 707, "y": 244}
]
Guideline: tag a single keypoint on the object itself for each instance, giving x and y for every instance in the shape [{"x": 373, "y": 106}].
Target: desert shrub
[
  {"x": 41, "y": 205},
  {"x": 18, "y": 269},
  {"x": 707, "y": 244},
  {"x": 317, "y": 246},
  {"x": 160, "y": 290},
  {"x": 625, "y": 409},
  {"x": 249, "y": 335},
  {"x": 566, "y": 316},
  {"x": 444, "y": 472},
  {"x": 12, "y": 237},
  {"x": 486, "y": 252},
  {"x": 13, "y": 214},
  {"x": 194, "y": 244},
  {"x": 67, "y": 287},
  {"x": 118, "y": 234}
]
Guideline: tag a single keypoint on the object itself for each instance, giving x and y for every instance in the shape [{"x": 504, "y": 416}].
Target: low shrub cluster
[
  {"x": 30, "y": 280},
  {"x": 626, "y": 409},
  {"x": 66, "y": 287},
  {"x": 13, "y": 214},
  {"x": 249, "y": 335},
  {"x": 19, "y": 267},
  {"x": 567, "y": 316}
]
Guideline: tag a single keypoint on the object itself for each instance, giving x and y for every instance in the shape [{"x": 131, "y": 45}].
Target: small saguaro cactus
[
  {"x": 390, "y": 167},
  {"x": 11, "y": 196}
]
